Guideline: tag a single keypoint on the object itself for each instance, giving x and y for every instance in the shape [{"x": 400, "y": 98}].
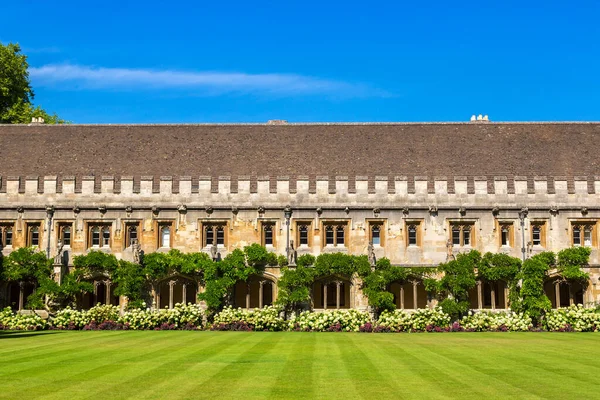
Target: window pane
[
  {"x": 505, "y": 237},
  {"x": 467, "y": 236},
  {"x": 268, "y": 229},
  {"x": 132, "y": 234},
  {"x": 329, "y": 235},
  {"x": 536, "y": 236},
  {"x": 35, "y": 237},
  {"x": 340, "y": 235},
  {"x": 9, "y": 237},
  {"x": 105, "y": 237},
  {"x": 220, "y": 236},
  {"x": 165, "y": 237},
  {"x": 412, "y": 235},
  {"x": 376, "y": 235},
  {"x": 66, "y": 236},
  {"x": 303, "y": 235},
  {"x": 587, "y": 236},
  {"x": 210, "y": 236},
  {"x": 455, "y": 236},
  {"x": 95, "y": 236},
  {"x": 576, "y": 236}
]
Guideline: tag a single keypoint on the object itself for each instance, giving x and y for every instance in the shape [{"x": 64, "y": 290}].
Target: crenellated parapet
[{"x": 304, "y": 191}]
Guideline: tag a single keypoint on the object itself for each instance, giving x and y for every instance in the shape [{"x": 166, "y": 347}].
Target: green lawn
[{"x": 176, "y": 364}]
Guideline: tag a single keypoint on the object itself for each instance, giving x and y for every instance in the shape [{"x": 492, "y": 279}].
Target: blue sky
[{"x": 241, "y": 61}]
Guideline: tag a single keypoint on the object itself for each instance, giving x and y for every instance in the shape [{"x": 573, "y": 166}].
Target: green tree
[
  {"x": 28, "y": 265},
  {"x": 458, "y": 276},
  {"x": 16, "y": 94}
]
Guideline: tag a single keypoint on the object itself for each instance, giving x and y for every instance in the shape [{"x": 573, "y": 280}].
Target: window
[
  {"x": 268, "y": 231},
  {"x": 303, "y": 229},
  {"x": 6, "y": 235},
  {"x": 583, "y": 234},
  {"x": 413, "y": 233},
  {"x": 131, "y": 233},
  {"x": 538, "y": 234},
  {"x": 376, "y": 233},
  {"x": 506, "y": 235},
  {"x": 335, "y": 234},
  {"x": 64, "y": 234},
  {"x": 462, "y": 234},
  {"x": 165, "y": 236},
  {"x": 33, "y": 235},
  {"x": 99, "y": 235},
  {"x": 214, "y": 234}
]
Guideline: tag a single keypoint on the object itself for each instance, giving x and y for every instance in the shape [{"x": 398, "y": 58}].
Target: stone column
[
  {"x": 107, "y": 284},
  {"x": 415, "y": 283},
  {"x": 247, "y": 296},
  {"x": 21, "y": 295},
  {"x": 260, "y": 294},
  {"x": 184, "y": 293},
  {"x": 337, "y": 294},
  {"x": 493, "y": 295},
  {"x": 479, "y": 295},
  {"x": 506, "y": 292},
  {"x": 325, "y": 296},
  {"x": 402, "y": 297},
  {"x": 171, "y": 285},
  {"x": 557, "y": 293}
]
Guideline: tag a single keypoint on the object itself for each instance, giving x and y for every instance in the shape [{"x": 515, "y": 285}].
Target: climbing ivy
[
  {"x": 29, "y": 265},
  {"x": 570, "y": 262},
  {"x": 533, "y": 300},
  {"x": 457, "y": 278}
]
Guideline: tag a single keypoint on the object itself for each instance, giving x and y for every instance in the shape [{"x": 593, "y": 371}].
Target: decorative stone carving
[
  {"x": 58, "y": 259},
  {"x": 49, "y": 211},
  {"x": 347, "y": 210},
  {"x": 235, "y": 210},
  {"x": 462, "y": 211},
  {"x": 20, "y": 209},
  {"x": 319, "y": 210},
  {"x": 371, "y": 254},
  {"x": 292, "y": 254},
  {"x": 155, "y": 210},
  {"x": 209, "y": 210},
  {"x": 554, "y": 210},
  {"x": 449, "y": 250},
  {"x": 102, "y": 209},
  {"x": 137, "y": 251},
  {"x": 261, "y": 210},
  {"x": 584, "y": 210},
  {"x": 128, "y": 211},
  {"x": 182, "y": 208},
  {"x": 405, "y": 210},
  {"x": 433, "y": 210},
  {"x": 76, "y": 210},
  {"x": 376, "y": 212},
  {"x": 214, "y": 253},
  {"x": 496, "y": 211}
]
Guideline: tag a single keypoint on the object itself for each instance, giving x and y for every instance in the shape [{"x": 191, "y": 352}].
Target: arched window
[{"x": 165, "y": 236}]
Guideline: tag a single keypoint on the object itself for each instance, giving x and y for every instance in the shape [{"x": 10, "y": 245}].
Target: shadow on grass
[{"x": 24, "y": 334}]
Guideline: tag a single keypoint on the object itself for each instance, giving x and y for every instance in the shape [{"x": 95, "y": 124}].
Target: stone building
[{"x": 419, "y": 192}]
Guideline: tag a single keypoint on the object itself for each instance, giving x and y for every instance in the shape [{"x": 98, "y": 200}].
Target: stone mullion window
[
  {"x": 583, "y": 234},
  {"x": 335, "y": 234},
  {"x": 132, "y": 233},
  {"x": 165, "y": 234},
  {"x": 506, "y": 234},
  {"x": 462, "y": 234},
  {"x": 376, "y": 233},
  {"x": 65, "y": 233},
  {"x": 214, "y": 234},
  {"x": 99, "y": 235},
  {"x": 538, "y": 233},
  {"x": 413, "y": 234},
  {"x": 267, "y": 235},
  {"x": 303, "y": 234},
  {"x": 33, "y": 234},
  {"x": 6, "y": 235}
]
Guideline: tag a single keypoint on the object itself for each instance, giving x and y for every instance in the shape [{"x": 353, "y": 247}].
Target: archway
[
  {"x": 18, "y": 292},
  {"x": 176, "y": 289},
  {"x": 409, "y": 295},
  {"x": 257, "y": 292},
  {"x": 564, "y": 293},
  {"x": 104, "y": 293},
  {"x": 332, "y": 293}
]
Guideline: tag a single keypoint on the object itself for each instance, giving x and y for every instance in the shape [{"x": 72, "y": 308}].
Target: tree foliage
[
  {"x": 16, "y": 94},
  {"x": 458, "y": 277}
]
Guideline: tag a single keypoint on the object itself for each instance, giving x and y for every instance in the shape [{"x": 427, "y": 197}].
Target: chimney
[
  {"x": 277, "y": 122},
  {"x": 37, "y": 120},
  {"x": 479, "y": 118}
]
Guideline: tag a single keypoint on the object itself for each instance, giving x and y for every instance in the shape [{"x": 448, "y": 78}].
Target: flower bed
[
  {"x": 481, "y": 321},
  {"x": 329, "y": 321},
  {"x": 21, "y": 322},
  {"x": 239, "y": 319},
  {"x": 575, "y": 318},
  {"x": 421, "y": 320}
]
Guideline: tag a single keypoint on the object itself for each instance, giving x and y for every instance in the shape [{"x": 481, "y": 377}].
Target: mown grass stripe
[{"x": 296, "y": 376}]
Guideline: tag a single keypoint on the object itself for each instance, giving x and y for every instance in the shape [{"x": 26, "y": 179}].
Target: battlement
[{"x": 304, "y": 190}]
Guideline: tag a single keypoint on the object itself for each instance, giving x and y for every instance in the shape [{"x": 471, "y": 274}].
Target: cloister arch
[
  {"x": 258, "y": 292},
  {"x": 176, "y": 289},
  {"x": 332, "y": 292},
  {"x": 564, "y": 293},
  {"x": 17, "y": 294},
  {"x": 103, "y": 294},
  {"x": 489, "y": 295},
  {"x": 410, "y": 295}
]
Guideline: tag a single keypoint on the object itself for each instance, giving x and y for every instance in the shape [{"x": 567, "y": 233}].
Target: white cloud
[{"x": 201, "y": 82}]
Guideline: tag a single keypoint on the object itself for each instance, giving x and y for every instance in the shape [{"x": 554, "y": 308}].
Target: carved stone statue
[
  {"x": 292, "y": 254},
  {"x": 58, "y": 259},
  {"x": 449, "y": 252},
  {"x": 371, "y": 254},
  {"x": 213, "y": 252},
  {"x": 137, "y": 250}
]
